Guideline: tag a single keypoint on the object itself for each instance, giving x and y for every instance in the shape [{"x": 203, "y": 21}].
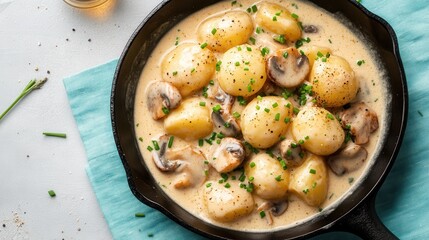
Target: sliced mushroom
[
  {"x": 159, "y": 158},
  {"x": 348, "y": 159},
  {"x": 360, "y": 120},
  {"x": 288, "y": 68},
  {"x": 161, "y": 98},
  {"x": 223, "y": 119},
  {"x": 292, "y": 152},
  {"x": 225, "y": 123},
  {"x": 228, "y": 155},
  {"x": 186, "y": 164},
  {"x": 274, "y": 209}
]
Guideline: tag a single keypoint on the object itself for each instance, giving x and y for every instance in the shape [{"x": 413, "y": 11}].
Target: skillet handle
[{"x": 364, "y": 222}]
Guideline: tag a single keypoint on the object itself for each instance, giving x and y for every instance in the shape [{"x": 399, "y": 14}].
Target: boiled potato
[
  {"x": 270, "y": 180},
  {"x": 188, "y": 67},
  {"x": 333, "y": 82},
  {"x": 226, "y": 31},
  {"x": 227, "y": 204},
  {"x": 242, "y": 71},
  {"x": 315, "y": 52},
  {"x": 318, "y": 129},
  {"x": 310, "y": 181},
  {"x": 189, "y": 121},
  {"x": 279, "y": 20},
  {"x": 264, "y": 120}
]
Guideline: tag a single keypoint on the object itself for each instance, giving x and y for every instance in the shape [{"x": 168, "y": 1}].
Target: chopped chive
[
  {"x": 259, "y": 97},
  {"x": 155, "y": 145},
  {"x": 251, "y": 179},
  {"x": 351, "y": 179},
  {"x": 278, "y": 178},
  {"x": 202, "y": 104},
  {"x": 227, "y": 185},
  {"x": 51, "y": 134},
  {"x": 300, "y": 142},
  {"x": 312, "y": 171},
  {"x": 294, "y": 15},
  {"x": 140, "y": 214},
  {"x": 295, "y": 110},
  {"x": 52, "y": 193},
  {"x": 211, "y": 82},
  {"x": 170, "y": 141},
  {"x": 218, "y": 65},
  {"x": 246, "y": 69},
  {"x": 360, "y": 62},
  {"x": 254, "y": 8},
  {"x": 283, "y": 164},
  {"x": 236, "y": 114},
  {"x": 305, "y": 191},
  {"x": 258, "y": 107},
  {"x": 149, "y": 148},
  {"x": 330, "y": 116},
  {"x": 249, "y": 88},
  {"x": 285, "y": 54},
  {"x": 204, "y": 45},
  {"x": 200, "y": 142},
  {"x": 262, "y": 214},
  {"x": 314, "y": 185},
  {"x": 287, "y": 120},
  {"x": 214, "y": 30},
  {"x": 267, "y": 110},
  {"x": 252, "y": 40},
  {"x": 258, "y": 30},
  {"x": 174, "y": 73},
  {"x": 249, "y": 49},
  {"x": 252, "y": 164},
  {"x": 237, "y": 64},
  {"x": 140, "y": 139},
  {"x": 275, "y": 105},
  {"x": 241, "y": 100},
  {"x": 227, "y": 124},
  {"x": 275, "y": 18},
  {"x": 217, "y": 108},
  {"x": 265, "y": 51},
  {"x": 165, "y": 110},
  {"x": 277, "y": 117},
  {"x": 280, "y": 39}
]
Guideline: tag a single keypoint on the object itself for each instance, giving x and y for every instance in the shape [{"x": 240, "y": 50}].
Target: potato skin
[
  {"x": 189, "y": 121},
  {"x": 188, "y": 67},
  {"x": 242, "y": 71},
  {"x": 310, "y": 181},
  {"x": 270, "y": 180},
  {"x": 319, "y": 129},
  {"x": 259, "y": 123},
  {"x": 226, "y": 31},
  {"x": 278, "y": 20},
  {"x": 333, "y": 82},
  {"x": 311, "y": 51},
  {"x": 227, "y": 204}
]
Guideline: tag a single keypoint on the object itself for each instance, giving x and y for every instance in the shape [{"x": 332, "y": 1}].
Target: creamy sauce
[{"x": 332, "y": 34}]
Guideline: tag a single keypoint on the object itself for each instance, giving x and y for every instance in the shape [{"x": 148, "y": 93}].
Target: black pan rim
[{"x": 380, "y": 180}]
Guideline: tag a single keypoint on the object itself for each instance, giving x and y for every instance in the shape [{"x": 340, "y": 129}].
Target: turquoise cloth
[{"x": 402, "y": 203}]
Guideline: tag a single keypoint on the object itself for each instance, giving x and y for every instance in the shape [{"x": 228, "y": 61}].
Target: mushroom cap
[
  {"x": 348, "y": 159},
  {"x": 228, "y": 155},
  {"x": 361, "y": 120},
  {"x": 288, "y": 68},
  {"x": 161, "y": 98}
]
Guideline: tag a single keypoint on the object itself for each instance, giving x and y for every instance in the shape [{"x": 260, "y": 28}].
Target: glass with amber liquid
[{"x": 85, "y": 3}]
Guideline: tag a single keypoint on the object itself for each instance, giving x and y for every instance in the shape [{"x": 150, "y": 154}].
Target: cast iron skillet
[{"x": 355, "y": 214}]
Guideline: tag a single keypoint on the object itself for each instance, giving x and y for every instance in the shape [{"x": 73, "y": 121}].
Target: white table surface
[{"x": 36, "y": 37}]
